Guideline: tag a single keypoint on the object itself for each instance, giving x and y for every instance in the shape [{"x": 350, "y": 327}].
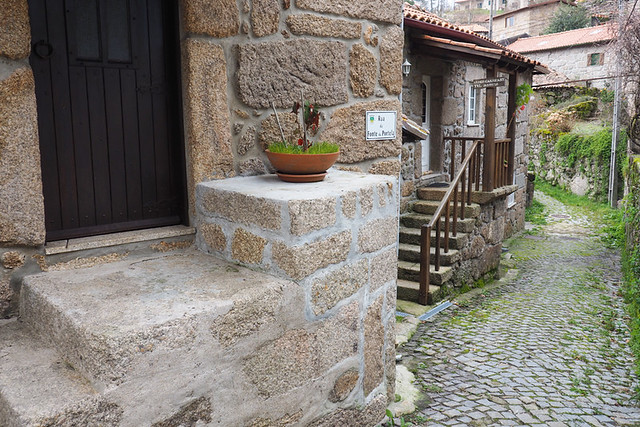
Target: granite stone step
[
  {"x": 429, "y": 207},
  {"x": 412, "y": 236},
  {"x": 416, "y": 220},
  {"x": 38, "y": 387},
  {"x": 410, "y": 291},
  {"x": 411, "y": 253},
  {"x": 411, "y": 271},
  {"x": 481, "y": 197},
  {"x": 156, "y": 333}
]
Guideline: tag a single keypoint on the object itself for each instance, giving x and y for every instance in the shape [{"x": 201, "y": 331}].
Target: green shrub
[{"x": 631, "y": 257}]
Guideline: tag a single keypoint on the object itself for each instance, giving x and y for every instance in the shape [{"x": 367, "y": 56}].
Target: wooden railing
[
  {"x": 469, "y": 178},
  {"x": 458, "y": 193},
  {"x": 502, "y": 175},
  {"x": 503, "y": 169}
]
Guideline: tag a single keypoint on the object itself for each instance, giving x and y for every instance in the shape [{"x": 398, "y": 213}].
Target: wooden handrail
[
  {"x": 502, "y": 162},
  {"x": 471, "y": 164}
]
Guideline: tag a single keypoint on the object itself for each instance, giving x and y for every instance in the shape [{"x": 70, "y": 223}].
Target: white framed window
[
  {"x": 472, "y": 106},
  {"x": 508, "y": 22}
]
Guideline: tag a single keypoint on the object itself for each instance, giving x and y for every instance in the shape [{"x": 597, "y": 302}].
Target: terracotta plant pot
[{"x": 302, "y": 167}]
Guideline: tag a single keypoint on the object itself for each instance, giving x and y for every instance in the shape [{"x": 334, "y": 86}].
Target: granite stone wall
[
  {"x": 337, "y": 240},
  {"x": 21, "y": 202},
  {"x": 345, "y": 56}
]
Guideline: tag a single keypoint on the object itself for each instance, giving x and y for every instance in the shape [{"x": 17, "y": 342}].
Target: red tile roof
[
  {"x": 532, "y": 6},
  {"x": 414, "y": 15},
  {"x": 590, "y": 35},
  {"x": 475, "y": 28}
]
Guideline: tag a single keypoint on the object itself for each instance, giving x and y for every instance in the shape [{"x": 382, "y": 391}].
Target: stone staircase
[
  {"x": 409, "y": 249},
  {"x": 90, "y": 343}
]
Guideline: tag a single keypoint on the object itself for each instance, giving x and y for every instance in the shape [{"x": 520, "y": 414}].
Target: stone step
[
  {"x": 429, "y": 207},
  {"x": 411, "y": 271},
  {"x": 38, "y": 387},
  {"x": 412, "y": 237},
  {"x": 410, "y": 291},
  {"x": 415, "y": 220},
  {"x": 481, "y": 197},
  {"x": 179, "y": 314},
  {"x": 411, "y": 253}
]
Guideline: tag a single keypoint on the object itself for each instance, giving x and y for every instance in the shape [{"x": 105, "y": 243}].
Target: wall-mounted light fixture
[{"x": 406, "y": 67}]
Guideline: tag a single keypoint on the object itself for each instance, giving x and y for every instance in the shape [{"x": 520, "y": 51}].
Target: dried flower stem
[
  {"x": 278, "y": 121},
  {"x": 305, "y": 144}
]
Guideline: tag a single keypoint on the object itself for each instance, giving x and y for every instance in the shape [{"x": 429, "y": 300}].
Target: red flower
[{"x": 300, "y": 141}]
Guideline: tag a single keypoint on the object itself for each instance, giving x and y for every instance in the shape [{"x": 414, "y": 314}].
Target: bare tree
[{"x": 628, "y": 50}]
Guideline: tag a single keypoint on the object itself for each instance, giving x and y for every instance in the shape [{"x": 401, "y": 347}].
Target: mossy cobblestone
[{"x": 549, "y": 347}]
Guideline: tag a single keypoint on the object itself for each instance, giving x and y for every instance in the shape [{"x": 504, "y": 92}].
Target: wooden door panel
[
  {"x": 83, "y": 157},
  {"x": 107, "y": 105}
]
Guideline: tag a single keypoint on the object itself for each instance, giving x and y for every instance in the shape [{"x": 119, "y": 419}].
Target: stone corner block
[
  {"x": 391, "y": 60},
  {"x": 208, "y": 135},
  {"x": 299, "y": 356},
  {"x": 15, "y": 32},
  {"x": 265, "y": 17},
  {"x": 247, "y": 247},
  {"x": 374, "y": 333},
  {"x": 320, "y": 26},
  {"x": 382, "y": 11},
  {"x": 362, "y": 71},
  {"x": 301, "y": 261},
  {"x": 218, "y": 18},
  {"x": 377, "y": 234},
  {"x": 277, "y": 71},
  {"x": 21, "y": 199},
  {"x": 311, "y": 215},
  {"x": 238, "y": 207},
  {"x": 330, "y": 289}
]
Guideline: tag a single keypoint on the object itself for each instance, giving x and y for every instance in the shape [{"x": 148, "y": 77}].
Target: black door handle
[{"x": 42, "y": 49}]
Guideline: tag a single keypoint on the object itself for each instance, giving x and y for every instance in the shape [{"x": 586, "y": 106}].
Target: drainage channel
[{"x": 429, "y": 314}]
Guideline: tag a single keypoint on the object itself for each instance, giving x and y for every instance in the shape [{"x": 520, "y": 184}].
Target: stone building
[
  {"x": 584, "y": 56},
  {"x": 440, "y": 92},
  {"x": 527, "y": 21},
  {"x": 154, "y": 116}
]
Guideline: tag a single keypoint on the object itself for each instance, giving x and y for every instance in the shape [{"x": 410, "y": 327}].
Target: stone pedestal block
[{"x": 337, "y": 240}]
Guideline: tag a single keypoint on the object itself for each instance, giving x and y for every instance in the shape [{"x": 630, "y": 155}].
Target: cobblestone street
[{"x": 549, "y": 347}]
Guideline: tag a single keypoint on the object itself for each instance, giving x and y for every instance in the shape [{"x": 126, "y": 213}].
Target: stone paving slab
[{"x": 547, "y": 348}]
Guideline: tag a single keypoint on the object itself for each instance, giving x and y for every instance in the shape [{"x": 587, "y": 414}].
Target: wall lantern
[{"x": 406, "y": 67}]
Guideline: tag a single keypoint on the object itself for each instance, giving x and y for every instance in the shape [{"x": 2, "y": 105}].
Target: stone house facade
[
  {"x": 227, "y": 64},
  {"x": 438, "y": 93},
  {"x": 585, "y": 54},
  {"x": 527, "y": 21}
]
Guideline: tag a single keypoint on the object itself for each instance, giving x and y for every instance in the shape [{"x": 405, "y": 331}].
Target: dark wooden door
[{"x": 108, "y": 113}]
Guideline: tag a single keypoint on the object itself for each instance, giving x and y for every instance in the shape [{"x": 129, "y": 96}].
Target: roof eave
[{"x": 471, "y": 38}]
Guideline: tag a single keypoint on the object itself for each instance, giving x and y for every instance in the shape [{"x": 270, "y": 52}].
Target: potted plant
[{"x": 302, "y": 160}]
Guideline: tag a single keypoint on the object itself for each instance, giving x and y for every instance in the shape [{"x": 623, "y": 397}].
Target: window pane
[
  {"x": 87, "y": 35},
  {"x": 424, "y": 103},
  {"x": 119, "y": 48}
]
